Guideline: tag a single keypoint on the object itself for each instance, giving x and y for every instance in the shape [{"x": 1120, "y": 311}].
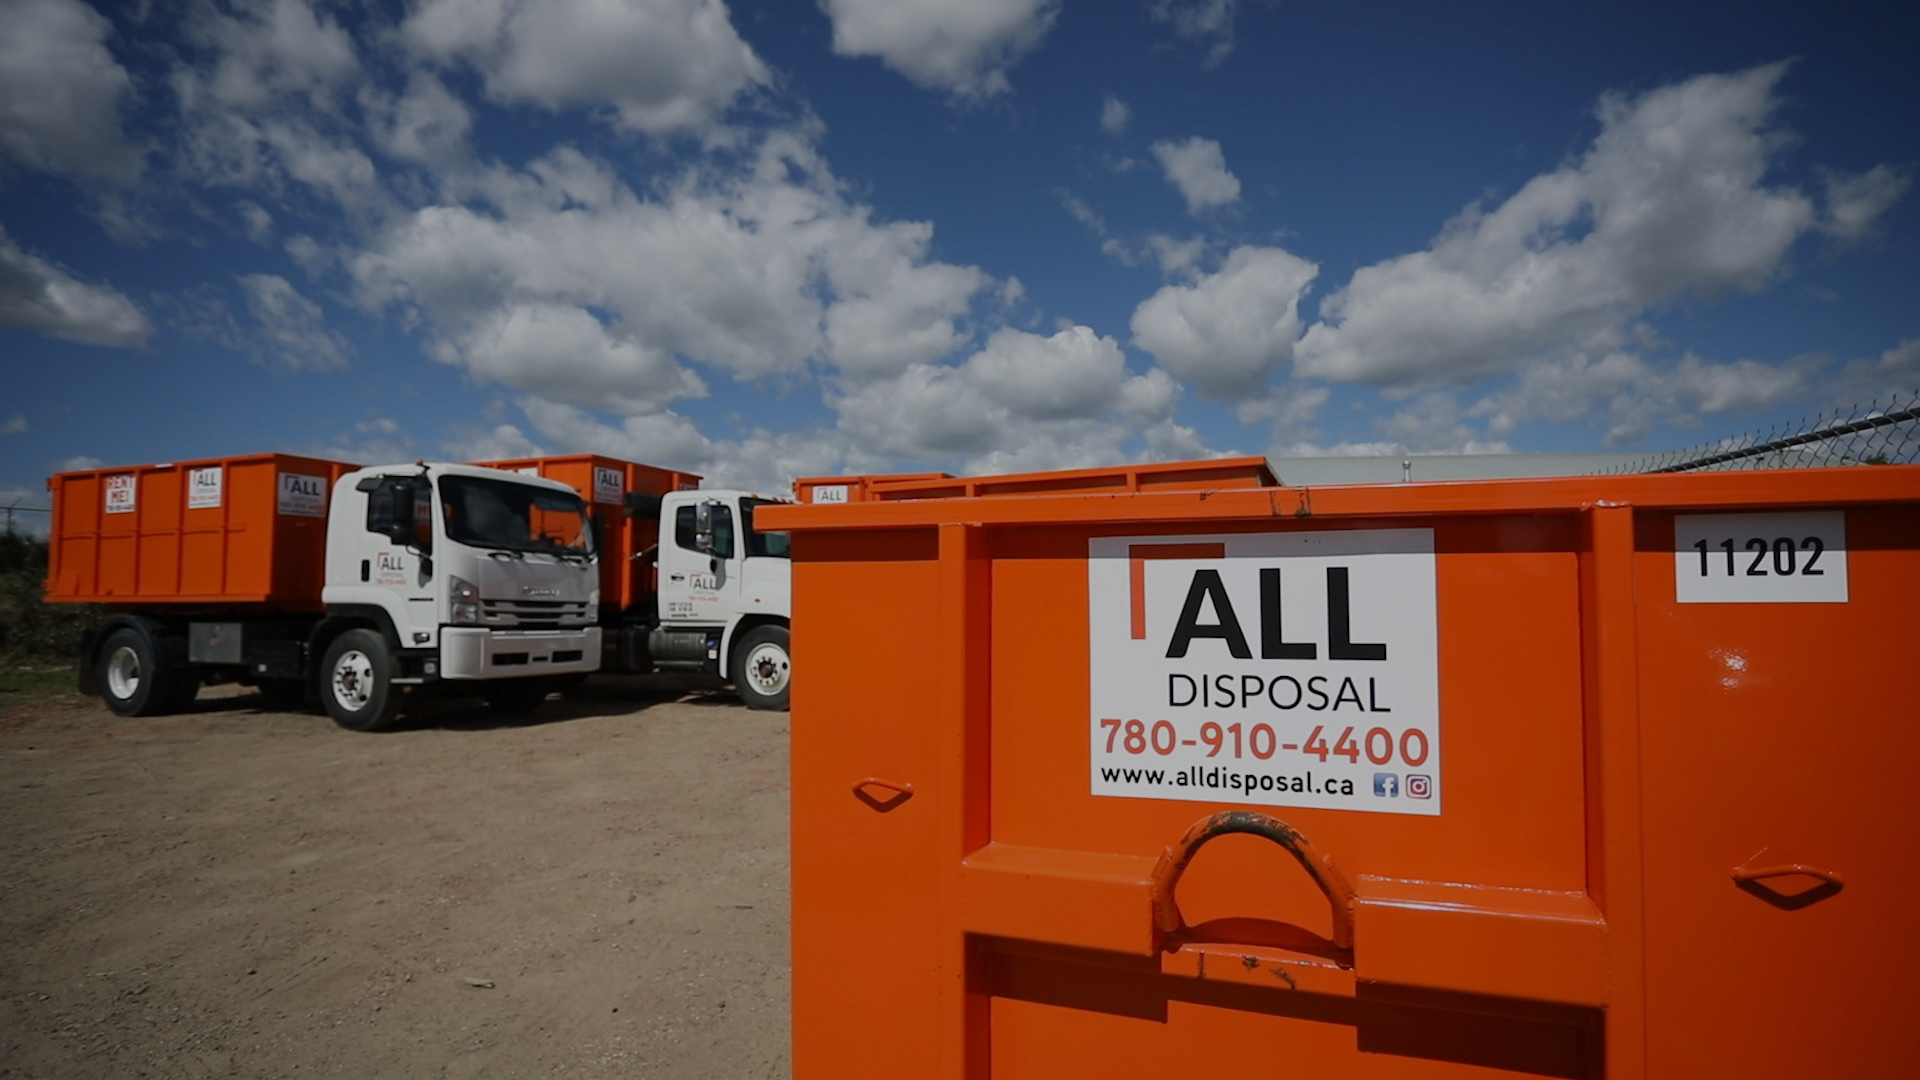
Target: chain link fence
[{"x": 1878, "y": 433}]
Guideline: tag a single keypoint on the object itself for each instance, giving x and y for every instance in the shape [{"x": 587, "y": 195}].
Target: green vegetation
[{"x": 38, "y": 640}]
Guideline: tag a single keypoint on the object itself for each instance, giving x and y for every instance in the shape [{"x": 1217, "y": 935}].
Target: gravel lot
[{"x": 600, "y": 890}]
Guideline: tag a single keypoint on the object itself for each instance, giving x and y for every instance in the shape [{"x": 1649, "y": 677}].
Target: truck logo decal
[
  {"x": 536, "y": 590},
  {"x": 1278, "y": 669}
]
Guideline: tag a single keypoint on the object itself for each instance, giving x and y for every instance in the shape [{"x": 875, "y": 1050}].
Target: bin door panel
[
  {"x": 865, "y": 870},
  {"x": 1778, "y": 735},
  {"x": 1499, "y": 599}
]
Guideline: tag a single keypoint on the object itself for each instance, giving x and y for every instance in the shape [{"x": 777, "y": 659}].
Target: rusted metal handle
[
  {"x": 1173, "y": 863},
  {"x": 1743, "y": 874}
]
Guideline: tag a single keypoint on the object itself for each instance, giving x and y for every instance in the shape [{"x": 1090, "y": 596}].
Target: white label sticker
[
  {"x": 120, "y": 494},
  {"x": 303, "y": 496},
  {"x": 528, "y": 470},
  {"x": 607, "y": 485},
  {"x": 830, "y": 493},
  {"x": 1267, "y": 669},
  {"x": 203, "y": 487},
  {"x": 1781, "y": 558}
]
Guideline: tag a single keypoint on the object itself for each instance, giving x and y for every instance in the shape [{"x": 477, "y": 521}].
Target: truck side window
[
  {"x": 683, "y": 530},
  {"x": 402, "y": 504}
]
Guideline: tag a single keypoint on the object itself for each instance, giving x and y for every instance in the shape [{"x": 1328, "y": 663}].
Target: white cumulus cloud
[
  {"x": 754, "y": 273},
  {"x": 660, "y": 66},
  {"x": 1854, "y": 204},
  {"x": 1670, "y": 200},
  {"x": 1232, "y": 331},
  {"x": 1199, "y": 170},
  {"x": 964, "y": 48},
  {"x": 37, "y": 295},
  {"x": 290, "y": 331},
  {"x": 1024, "y": 401},
  {"x": 61, "y": 91},
  {"x": 1205, "y": 22},
  {"x": 1114, "y": 115}
]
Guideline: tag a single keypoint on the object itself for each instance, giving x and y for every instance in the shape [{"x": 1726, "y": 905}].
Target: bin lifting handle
[{"x": 1173, "y": 862}]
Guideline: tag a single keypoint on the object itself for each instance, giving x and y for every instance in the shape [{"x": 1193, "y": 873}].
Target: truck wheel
[
  {"x": 131, "y": 681},
  {"x": 761, "y": 669},
  {"x": 517, "y": 697},
  {"x": 357, "y": 682}
]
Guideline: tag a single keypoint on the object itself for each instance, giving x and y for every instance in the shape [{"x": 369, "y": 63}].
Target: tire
[
  {"x": 131, "y": 681},
  {"x": 762, "y": 669},
  {"x": 517, "y": 697},
  {"x": 356, "y": 682}
]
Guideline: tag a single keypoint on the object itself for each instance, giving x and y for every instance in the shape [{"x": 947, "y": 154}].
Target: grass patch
[{"x": 22, "y": 684}]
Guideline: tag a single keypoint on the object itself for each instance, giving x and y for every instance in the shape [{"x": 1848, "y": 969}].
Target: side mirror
[{"x": 703, "y": 527}]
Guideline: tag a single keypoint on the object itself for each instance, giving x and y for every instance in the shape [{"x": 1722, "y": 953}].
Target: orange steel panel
[
  {"x": 1782, "y": 734},
  {"x": 1673, "y": 839},
  {"x": 214, "y": 531},
  {"x": 1211, "y": 474},
  {"x": 626, "y": 582},
  {"x": 856, "y": 488},
  {"x": 865, "y": 876}
]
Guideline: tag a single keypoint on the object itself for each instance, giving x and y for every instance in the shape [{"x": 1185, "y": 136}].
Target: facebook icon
[{"x": 1386, "y": 785}]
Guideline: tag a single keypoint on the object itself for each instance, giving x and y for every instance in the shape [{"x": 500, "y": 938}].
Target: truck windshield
[
  {"x": 775, "y": 544},
  {"x": 508, "y": 516}
]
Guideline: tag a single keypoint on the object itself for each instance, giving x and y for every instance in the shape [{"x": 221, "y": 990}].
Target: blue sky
[{"x": 778, "y": 238}]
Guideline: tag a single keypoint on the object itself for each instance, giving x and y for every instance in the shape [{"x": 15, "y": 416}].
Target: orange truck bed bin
[
  {"x": 223, "y": 530},
  {"x": 1215, "y": 474},
  {"x": 625, "y": 582},
  {"x": 1597, "y": 777}
]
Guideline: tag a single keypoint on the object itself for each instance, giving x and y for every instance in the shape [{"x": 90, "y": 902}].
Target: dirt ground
[{"x": 597, "y": 891}]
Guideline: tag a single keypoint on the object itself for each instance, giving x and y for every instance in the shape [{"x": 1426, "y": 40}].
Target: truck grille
[{"x": 534, "y": 614}]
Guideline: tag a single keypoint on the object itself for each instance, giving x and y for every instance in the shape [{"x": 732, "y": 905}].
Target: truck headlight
[{"x": 464, "y": 601}]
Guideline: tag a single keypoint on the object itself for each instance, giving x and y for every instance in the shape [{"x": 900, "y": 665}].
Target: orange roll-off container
[
  {"x": 1212, "y": 474},
  {"x": 1631, "y": 760},
  {"x": 626, "y": 583},
  {"x": 237, "y": 530}
]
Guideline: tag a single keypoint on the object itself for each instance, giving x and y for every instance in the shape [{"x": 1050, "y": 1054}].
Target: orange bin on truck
[
  {"x": 363, "y": 588},
  {"x": 1598, "y": 777}
]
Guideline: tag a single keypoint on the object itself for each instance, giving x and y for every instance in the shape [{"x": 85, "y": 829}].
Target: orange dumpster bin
[{"x": 1596, "y": 777}]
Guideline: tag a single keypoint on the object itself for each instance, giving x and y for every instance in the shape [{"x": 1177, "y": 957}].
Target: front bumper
[{"x": 474, "y": 653}]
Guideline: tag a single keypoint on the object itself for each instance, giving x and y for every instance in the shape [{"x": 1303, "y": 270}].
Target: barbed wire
[{"x": 1871, "y": 434}]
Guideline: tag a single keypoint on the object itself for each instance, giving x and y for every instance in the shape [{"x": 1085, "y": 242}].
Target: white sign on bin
[
  {"x": 1267, "y": 669},
  {"x": 608, "y": 485},
  {"x": 830, "y": 493},
  {"x": 120, "y": 494},
  {"x": 203, "y": 487},
  {"x": 302, "y": 495},
  {"x": 1780, "y": 558}
]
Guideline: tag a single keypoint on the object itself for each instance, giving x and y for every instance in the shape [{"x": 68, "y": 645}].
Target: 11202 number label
[{"x": 1761, "y": 558}]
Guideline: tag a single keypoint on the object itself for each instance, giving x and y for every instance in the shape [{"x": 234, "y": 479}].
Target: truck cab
[
  {"x": 473, "y": 573},
  {"x": 725, "y": 593}
]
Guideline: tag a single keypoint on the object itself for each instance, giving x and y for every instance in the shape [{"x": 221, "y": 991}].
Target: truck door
[
  {"x": 700, "y": 572},
  {"x": 400, "y": 519}
]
